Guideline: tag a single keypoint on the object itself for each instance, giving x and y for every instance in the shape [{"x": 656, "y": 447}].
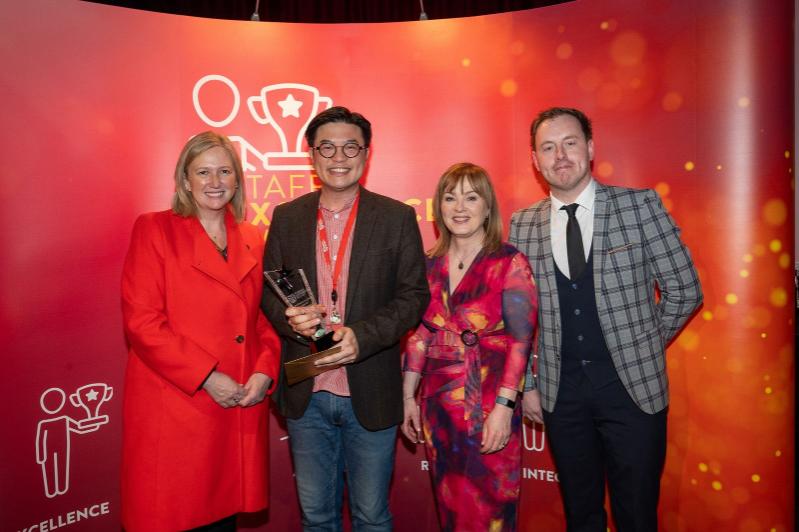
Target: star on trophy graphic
[
  {"x": 288, "y": 108},
  {"x": 91, "y": 397}
]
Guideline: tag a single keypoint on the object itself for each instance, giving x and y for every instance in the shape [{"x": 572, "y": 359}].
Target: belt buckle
[{"x": 469, "y": 338}]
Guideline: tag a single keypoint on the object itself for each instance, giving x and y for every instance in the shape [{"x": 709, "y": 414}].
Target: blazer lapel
[
  {"x": 599, "y": 242},
  {"x": 304, "y": 222},
  {"x": 240, "y": 258},
  {"x": 208, "y": 260},
  {"x": 544, "y": 257},
  {"x": 362, "y": 234}
]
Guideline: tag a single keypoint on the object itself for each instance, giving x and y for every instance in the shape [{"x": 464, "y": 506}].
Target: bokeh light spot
[
  {"x": 787, "y": 154},
  {"x": 694, "y": 482},
  {"x": 741, "y": 496},
  {"x": 707, "y": 315},
  {"x": 688, "y": 340},
  {"x": 778, "y": 453},
  {"x": 768, "y": 390},
  {"x": 784, "y": 261},
  {"x": 755, "y": 478},
  {"x": 717, "y": 485},
  {"x": 604, "y": 169},
  {"x": 764, "y": 335},
  {"x": 589, "y": 79},
  {"x": 672, "y": 101},
  {"x": 466, "y": 62},
  {"x": 508, "y": 88},
  {"x": 609, "y": 95},
  {"x": 778, "y": 297},
  {"x": 628, "y": 49},
  {"x": 744, "y": 273},
  {"x": 718, "y": 167},
  {"x": 564, "y": 51},
  {"x": 744, "y": 101},
  {"x": 516, "y": 48},
  {"x": 775, "y": 245},
  {"x": 702, "y": 467},
  {"x": 604, "y": 25},
  {"x": 775, "y": 212},
  {"x": 757, "y": 318},
  {"x": 662, "y": 189},
  {"x": 734, "y": 365},
  {"x": 731, "y": 299},
  {"x": 689, "y": 165},
  {"x": 750, "y": 524},
  {"x": 748, "y": 257}
]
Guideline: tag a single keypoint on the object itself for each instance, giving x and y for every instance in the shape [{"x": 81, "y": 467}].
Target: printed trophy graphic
[
  {"x": 53, "y": 434},
  {"x": 288, "y": 108},
  {"x": 533, "y": 437},
  {"x": 84, "y": 396}
]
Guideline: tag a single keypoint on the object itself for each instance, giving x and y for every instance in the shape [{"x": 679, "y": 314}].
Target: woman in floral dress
[{"x": 470, "y": 354}]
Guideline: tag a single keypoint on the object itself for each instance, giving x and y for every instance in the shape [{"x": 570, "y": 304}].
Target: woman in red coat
[{"x": 202, "y": 356}]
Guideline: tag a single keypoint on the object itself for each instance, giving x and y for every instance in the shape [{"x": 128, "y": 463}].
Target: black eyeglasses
[{"x": 328, "y": 149}]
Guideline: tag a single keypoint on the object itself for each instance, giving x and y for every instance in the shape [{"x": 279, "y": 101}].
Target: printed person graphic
[{"x": 53, "y": 441}]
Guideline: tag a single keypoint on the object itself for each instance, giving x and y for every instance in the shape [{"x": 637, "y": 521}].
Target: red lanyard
[{"x": 342, "y": 247}]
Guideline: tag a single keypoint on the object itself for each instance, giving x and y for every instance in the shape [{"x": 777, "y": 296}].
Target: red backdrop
[{"x": 692, "y": 98}]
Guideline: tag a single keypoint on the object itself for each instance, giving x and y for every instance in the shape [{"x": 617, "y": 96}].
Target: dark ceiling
[{"x": 330, "y": 11}]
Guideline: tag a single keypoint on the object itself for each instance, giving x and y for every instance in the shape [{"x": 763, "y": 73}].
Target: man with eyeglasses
[{"x": 363, "y": 256}]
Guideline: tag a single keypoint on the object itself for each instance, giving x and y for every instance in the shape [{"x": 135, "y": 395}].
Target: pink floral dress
[{"x": 471, "y": 343}]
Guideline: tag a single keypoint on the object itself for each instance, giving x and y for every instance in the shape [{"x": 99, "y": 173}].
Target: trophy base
[
  {"x": 303, "y": 368},
  {"x": 92, "y": 422}
]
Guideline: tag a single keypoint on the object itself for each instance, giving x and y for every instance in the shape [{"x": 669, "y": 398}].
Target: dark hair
[
  {"x": 481, "y": 184},
  {"x": 554, "y": 112},
  {"x": 339, "y": 114}
]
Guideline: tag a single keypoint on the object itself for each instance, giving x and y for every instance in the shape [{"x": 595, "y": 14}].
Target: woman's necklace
[
  {"x": 467, "y": 257},
  {"x": 218, "y": 238}
]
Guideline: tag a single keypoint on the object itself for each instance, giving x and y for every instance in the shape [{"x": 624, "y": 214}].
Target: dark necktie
[{"x": 574, "y": 243}]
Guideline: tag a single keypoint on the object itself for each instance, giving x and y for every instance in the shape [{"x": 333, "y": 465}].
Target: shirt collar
[{"x": 584, "y": 200}]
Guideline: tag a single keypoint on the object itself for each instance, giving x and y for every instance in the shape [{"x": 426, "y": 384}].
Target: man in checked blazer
[{"x": 600, "y": 255}]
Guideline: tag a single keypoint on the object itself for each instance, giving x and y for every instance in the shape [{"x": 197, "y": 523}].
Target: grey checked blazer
[{"x": 636, "y": 247}]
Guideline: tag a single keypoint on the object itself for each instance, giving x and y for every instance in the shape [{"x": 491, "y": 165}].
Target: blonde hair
[
  {"x": 478, "y": 178},
  {"x": 182, "y": 201}
]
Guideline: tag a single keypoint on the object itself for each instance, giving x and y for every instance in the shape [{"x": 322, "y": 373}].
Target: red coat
[{"x": 186, "y": 461}]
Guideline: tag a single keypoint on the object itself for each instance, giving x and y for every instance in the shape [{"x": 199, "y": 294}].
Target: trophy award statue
[
  {"x": 90, "y": 397},
  {"x": 292, "y": 287}
]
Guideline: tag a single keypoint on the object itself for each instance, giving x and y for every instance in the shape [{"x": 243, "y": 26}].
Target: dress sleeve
[
  {"x": 173, "y": 356},
  {"x": 519, "y": 312},
  {"x": 416, "y": 349}
]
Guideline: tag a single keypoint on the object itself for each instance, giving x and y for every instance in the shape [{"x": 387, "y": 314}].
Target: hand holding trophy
[{"x": 292, "y": 287}]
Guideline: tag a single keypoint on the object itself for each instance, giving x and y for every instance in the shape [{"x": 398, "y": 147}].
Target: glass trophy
[{"x": 292, "y": 287}]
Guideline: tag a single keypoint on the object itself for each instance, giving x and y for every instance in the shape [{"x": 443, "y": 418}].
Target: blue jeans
[{"x": 327, "y": 441}]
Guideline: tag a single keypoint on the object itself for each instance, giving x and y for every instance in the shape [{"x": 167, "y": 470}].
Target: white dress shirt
[{"x": 559, "y": 218}]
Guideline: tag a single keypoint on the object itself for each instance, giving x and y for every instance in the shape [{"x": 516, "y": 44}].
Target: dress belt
[{"x": 472, "y": 397}]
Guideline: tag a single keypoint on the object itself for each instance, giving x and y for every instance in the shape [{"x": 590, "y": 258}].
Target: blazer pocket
[
  {"x": 625, "y": 257},
  {"x": 621, "y": 248}
]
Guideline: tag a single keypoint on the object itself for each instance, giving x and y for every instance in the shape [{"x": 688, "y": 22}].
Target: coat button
[{"x": 240, "y": 338}]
